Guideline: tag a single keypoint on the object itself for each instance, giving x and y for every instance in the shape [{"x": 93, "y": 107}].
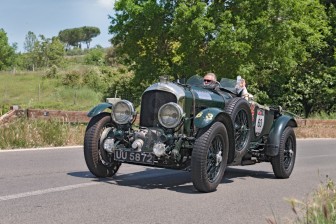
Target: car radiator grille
[{"x": 150, "y": 104}]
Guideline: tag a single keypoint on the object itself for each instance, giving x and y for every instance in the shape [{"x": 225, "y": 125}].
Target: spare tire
[{"x": 240, "y": 113}]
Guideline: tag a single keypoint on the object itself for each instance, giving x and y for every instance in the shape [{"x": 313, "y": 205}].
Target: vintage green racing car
[{"x": 189, "y": 126}]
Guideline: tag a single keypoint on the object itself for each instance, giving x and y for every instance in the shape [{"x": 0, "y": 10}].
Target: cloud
[{"x": 106, "y": 3}]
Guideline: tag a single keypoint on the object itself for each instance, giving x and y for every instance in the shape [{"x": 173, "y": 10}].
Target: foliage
[
  {"x": 96, "y": 80},
  {"x": 75, "y": 36},
  {"x": 42, "y": 52},
  {"x": 271, "y": 44},
  {"x": 4, "y": 109},
  {"x": 313, "y": 92},
  {"x": 72, "y": 78},
  {"x": 51, "y": 72},
  {"x": 23, "y": 133},
  {"x": 7, "y": 52},
  {"x": 110, "y": 57},
  {"x": 55, "y": 53},
  {"x": 95, "y": 56},
  {"x": 124, "y": 86},
  {"x": 320, "y": 208},
  {"x": 323, "y": 116},
  {"x": 30, "y": 41},
  {"x": 89, "y": 33}
]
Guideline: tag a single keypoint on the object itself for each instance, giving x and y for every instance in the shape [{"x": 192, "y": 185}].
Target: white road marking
[
  {"x": 46, "y": 191},
  {"x": 42, "y": 148}
]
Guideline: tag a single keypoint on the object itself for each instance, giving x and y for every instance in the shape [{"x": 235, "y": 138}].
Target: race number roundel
[{"x": 260, "y": 121}]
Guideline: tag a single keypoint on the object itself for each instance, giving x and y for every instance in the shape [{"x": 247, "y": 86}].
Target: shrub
[
  {"x": 51, "y": 72},
  {"x": 72, "y": 78},
  {"x": 93, "y": 78},
  {"x": 4, "y": 109},
  {"x": 95, "y": 57}
]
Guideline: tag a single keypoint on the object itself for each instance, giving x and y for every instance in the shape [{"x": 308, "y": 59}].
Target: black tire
[
  {"x": 207, "y": 171},
  {"x": 283, "y": 163},
  {"x": 240, "y": 113},
  {"x": 96, "y": 158}
]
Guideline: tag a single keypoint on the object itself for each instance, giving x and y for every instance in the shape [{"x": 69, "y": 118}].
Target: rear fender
[
  {"x": 207, "y": 116},
  {"x": 273, "y": 140},
  {"x": 98, "y": 109}
]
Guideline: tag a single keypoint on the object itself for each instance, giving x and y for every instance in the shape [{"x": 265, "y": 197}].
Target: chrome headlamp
[
  {"x": 123, "y": 112},
  {"x": 170, "y": 115}
]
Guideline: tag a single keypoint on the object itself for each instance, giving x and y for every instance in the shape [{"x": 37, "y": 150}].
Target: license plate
[{"x": 133, "y": 157}]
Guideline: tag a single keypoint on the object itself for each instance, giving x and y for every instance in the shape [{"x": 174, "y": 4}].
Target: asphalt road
[{"x": 55, "y": 186}]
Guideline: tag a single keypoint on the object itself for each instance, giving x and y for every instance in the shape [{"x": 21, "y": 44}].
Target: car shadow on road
[
  {"x": 174, "y": 180},
  {"x": 234, "y": 173},
  {"x": 148, "y": 179}
]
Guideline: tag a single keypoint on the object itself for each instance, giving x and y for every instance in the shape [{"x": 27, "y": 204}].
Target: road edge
[{"x": 42, "y": 148}]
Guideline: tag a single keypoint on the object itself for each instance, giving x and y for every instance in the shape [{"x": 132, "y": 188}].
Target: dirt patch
[{"x": 312, "y": 128}]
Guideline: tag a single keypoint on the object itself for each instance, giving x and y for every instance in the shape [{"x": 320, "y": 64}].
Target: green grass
[
  {"x": 323, "y": 116},
  {"x": 31, "y": 90}
]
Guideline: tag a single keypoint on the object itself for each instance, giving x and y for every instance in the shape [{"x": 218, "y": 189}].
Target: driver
[{"x": 209, "y": 78}]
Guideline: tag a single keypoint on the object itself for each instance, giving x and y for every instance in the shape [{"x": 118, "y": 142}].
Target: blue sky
[{"x": 48, "y": 17}]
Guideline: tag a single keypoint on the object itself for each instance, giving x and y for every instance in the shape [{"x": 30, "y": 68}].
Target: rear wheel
[
  {"x": 239, "y": 110},
  {"x": 209, "y": 157},
  {"x": 99, "y": 162},
  {"x": 283, "y": 163}
]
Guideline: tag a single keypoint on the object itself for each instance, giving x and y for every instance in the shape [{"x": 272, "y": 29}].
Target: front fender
[
  {"x": 206, "y": 117},
  {"x": 273, "y": 140},
  {"x": 98, "y": 109}
]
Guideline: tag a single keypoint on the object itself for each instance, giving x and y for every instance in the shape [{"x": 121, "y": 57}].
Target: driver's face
[{"x": 208, "y": 79}]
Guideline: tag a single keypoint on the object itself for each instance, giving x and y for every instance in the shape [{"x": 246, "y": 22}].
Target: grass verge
[
  {"x": 31, "y": 90},
  {"x": 23, "y": 133},
  {"x": 320, "y": 208}
]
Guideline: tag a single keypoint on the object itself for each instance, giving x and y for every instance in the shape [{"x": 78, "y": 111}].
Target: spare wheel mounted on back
[{"x": 239, "y": 110}]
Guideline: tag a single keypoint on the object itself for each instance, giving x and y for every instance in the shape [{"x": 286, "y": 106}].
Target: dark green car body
[{"x": 184, "y": 126}]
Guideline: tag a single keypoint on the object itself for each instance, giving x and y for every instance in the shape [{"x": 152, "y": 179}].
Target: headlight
[
  {"x": 123, "y": 112},
  {"x": 170, "y": 115}
]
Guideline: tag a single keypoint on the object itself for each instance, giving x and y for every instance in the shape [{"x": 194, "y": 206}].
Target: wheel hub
[{"x": 219, "y": 158}]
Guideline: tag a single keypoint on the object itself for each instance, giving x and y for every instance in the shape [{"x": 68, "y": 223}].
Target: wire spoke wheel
[
  {"x": 283, "y": 163},
  {"x": 99, "y": 162},
  {"x": 209, "y": 157},
  {"x": 240, "y": 113},
  {"x": 242, "y": 129},
  {"x": 288, "y": 152},
  {"x": 214, "y": 158}
]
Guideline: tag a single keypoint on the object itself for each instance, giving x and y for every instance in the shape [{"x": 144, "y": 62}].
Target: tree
[
  {"x": 56, "y": 52},
  {"x": 7, "y": 52},
  {"x": 142, "y": 34},
  {"x": 73, "y": 37},
  {"x": 313, "y": 82},
  {"x": 266, "y": 41},
  {"x": 30, "y": 44},
  {"x": 46, "y": 52},
  {"x": 30, "y": 41},
  {"x": 89, "y": 32}
]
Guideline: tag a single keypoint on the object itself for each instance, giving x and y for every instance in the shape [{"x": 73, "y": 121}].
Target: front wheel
[
  {"x": 209, "y": 157},
  {"x": 283, "y": 163},
  {"x": 99, "y": 162}
]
